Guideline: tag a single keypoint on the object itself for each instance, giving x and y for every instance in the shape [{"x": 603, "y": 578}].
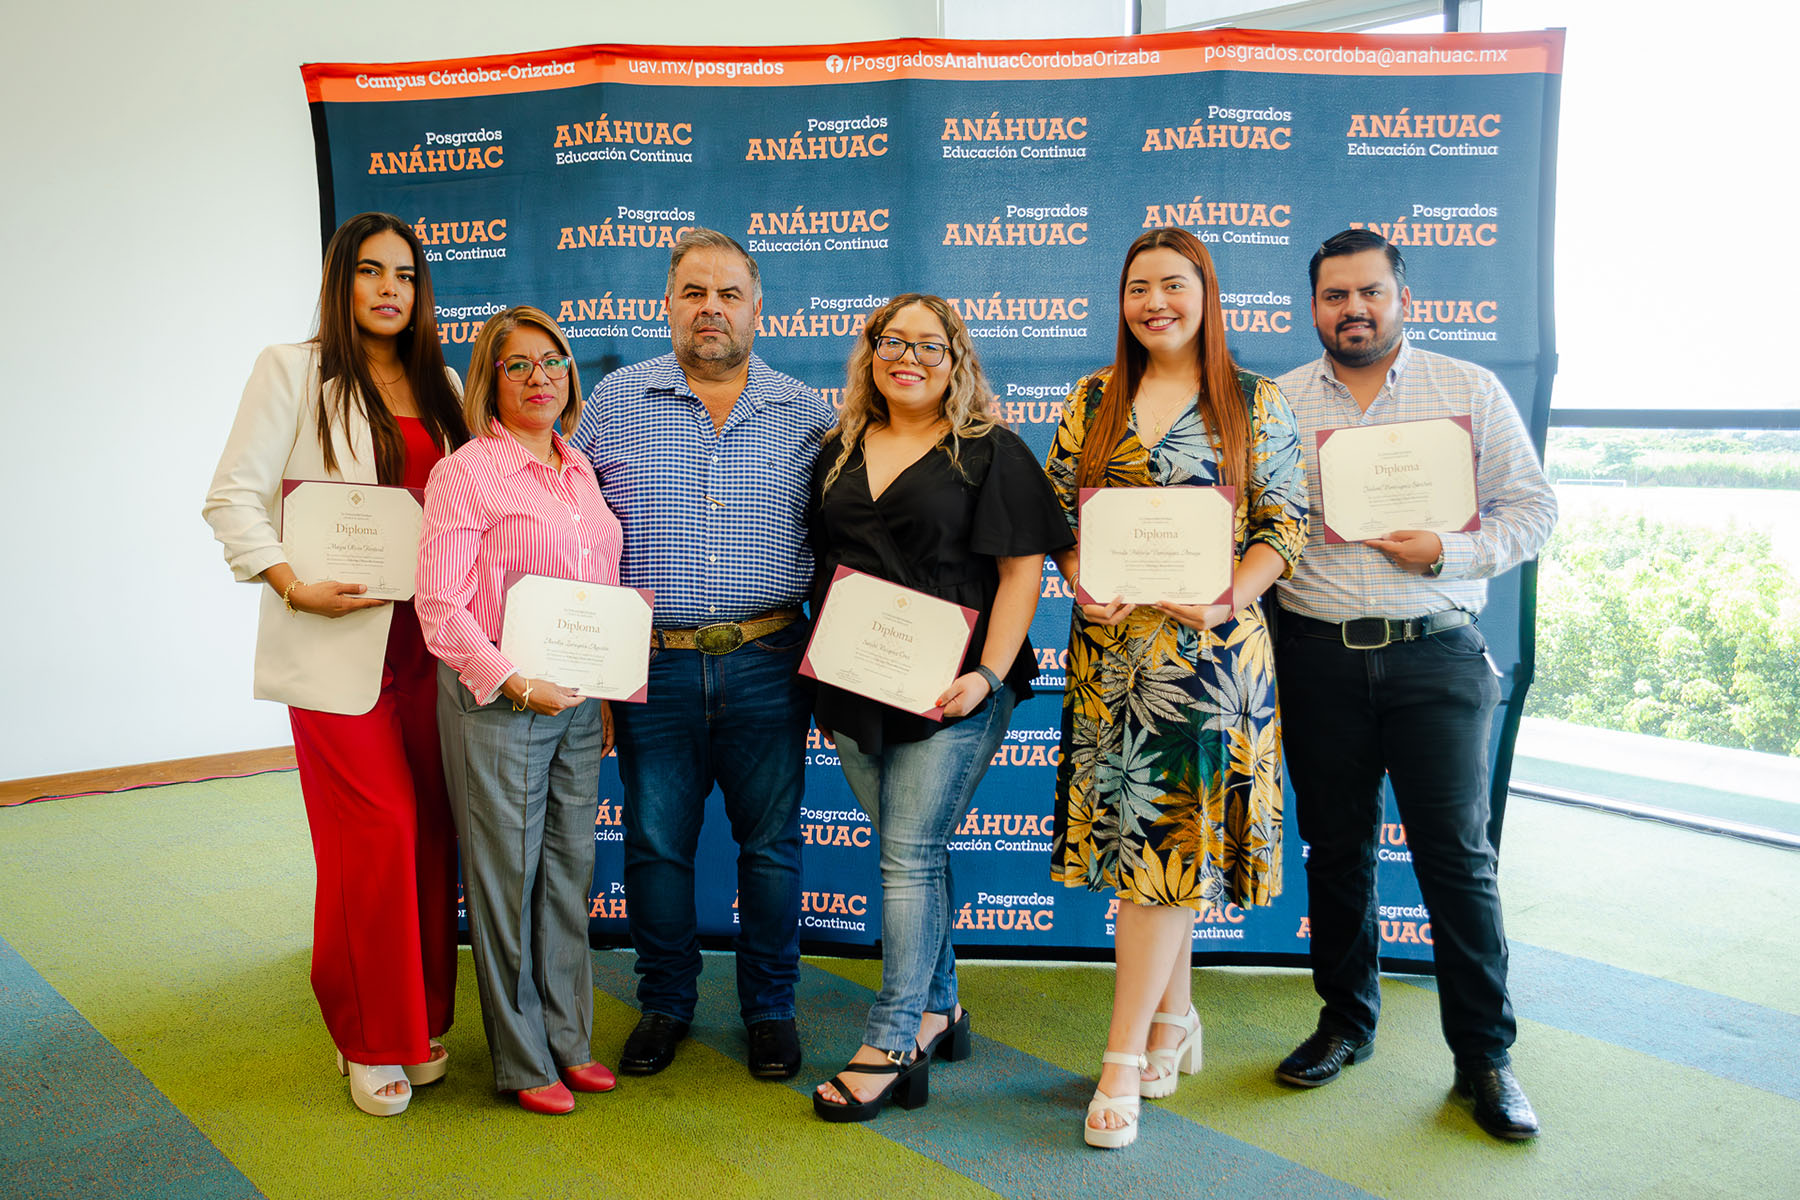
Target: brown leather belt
[{"x": 723, "y": 637}]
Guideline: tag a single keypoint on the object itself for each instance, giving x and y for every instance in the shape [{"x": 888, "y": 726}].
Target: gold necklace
[
  {"x": 1158, "y": 430},
  {"x": 550, "y": 461}
]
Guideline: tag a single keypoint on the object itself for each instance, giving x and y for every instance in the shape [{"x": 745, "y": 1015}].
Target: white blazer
[{"x": 323, "y": 663}]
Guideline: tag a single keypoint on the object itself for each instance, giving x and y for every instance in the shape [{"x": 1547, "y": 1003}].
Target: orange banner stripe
[{"x": 1250, "y": 50}]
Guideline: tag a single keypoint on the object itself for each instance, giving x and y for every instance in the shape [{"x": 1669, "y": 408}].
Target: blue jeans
[
  {"x": 740, "y": 721},
  {"x": 1420, "y": 713},
  {"x": 916, "y": 793}
]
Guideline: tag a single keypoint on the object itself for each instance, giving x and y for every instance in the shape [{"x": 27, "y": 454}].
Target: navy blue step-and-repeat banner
[{"x": 1008, "y": 178}]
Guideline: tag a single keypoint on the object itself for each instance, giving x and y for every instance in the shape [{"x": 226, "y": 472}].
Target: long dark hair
[
  {"x": 344, "y": 376},
  {"x": 1221, "y": 402}
]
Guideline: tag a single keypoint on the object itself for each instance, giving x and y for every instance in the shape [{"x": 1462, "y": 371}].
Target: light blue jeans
[{"x": 916, "y": 793}]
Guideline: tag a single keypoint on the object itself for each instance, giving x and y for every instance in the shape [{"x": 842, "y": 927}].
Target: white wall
[
  {"x": 158, "y": 226},
  {"x": 1011, "y": 19}
]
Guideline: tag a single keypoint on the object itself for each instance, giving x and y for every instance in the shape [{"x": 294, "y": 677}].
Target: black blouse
[{"x": 936, "y": 529}]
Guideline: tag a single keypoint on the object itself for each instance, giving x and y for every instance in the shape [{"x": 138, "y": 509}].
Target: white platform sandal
[
  {"x": 1123, "y": 1107},
  {"x": 366, "y": 1083},
  {"x": 431, "y": 1070},
  {"x": 1168, "y": 1061}
]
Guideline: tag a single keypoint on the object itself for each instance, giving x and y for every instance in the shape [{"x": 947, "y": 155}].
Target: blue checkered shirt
[
  {"x": 1518, "y": 509},
  {"x": 714, "y": 521}
]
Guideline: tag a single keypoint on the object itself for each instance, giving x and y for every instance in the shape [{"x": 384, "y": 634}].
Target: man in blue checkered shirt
[
  {"x": 706, "y": 454},
  {"x": 1383, "y": 673}
]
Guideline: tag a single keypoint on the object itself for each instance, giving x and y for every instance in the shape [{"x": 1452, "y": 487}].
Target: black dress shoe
[
  {"x": 1320, "y": 1058},
  {"x": 774, "y": 1049},
  {"x": 651, "y": 1046},
  {"x": 1500, "y": 1104}
]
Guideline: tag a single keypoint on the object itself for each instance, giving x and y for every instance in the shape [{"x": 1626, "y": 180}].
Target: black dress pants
[{"x": 1420, "y": 713}]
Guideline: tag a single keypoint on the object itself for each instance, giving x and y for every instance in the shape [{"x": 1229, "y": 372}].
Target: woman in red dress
[{"x": 367, "y": 400}]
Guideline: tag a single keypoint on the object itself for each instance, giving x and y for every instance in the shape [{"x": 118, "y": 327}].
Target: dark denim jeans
[
  {"x": 1420, "y": 713},
  {"x": 739, "y": 720}
]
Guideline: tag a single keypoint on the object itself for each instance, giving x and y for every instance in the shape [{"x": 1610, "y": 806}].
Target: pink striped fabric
[{"x": 491, "y": 508}]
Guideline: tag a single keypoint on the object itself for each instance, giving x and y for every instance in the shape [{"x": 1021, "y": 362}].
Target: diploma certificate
[
  {"x": 1376, "y": 479},
  {"x": 888, "y": 642},
  {"x": 592, "y": 638},
  {"x": 353, "y": 533},
  {"x": 1150, "y": 544}
]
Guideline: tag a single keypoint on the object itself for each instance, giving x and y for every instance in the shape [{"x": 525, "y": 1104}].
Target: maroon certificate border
[
  {"x": 1081, "y": 593},
  {"x": 935, "y": 713},
  {"x": 507, "y": 579},
  {"x": 1324, "y": 435}
]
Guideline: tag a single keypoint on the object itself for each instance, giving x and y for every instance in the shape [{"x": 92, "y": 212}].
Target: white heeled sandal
[
  {"x": 431, "y": 1070},
  {"x": 1123, "y": 1107},
  {"x": 366, "y": 1083},
  {"x": 1168, "y": 1061}
]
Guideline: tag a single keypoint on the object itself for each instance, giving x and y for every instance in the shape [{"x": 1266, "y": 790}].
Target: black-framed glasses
[
  {"x": 928, "y": 354},
  {"x": 518, "y": 368}
]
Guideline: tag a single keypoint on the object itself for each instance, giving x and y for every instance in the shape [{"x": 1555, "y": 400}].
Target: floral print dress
[{"x": 1169, "y": 789}]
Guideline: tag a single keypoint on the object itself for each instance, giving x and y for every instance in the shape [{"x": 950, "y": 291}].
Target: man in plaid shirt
[
  {"x": 1383, "y": 672},
  {"x": 705, "y": 455}
]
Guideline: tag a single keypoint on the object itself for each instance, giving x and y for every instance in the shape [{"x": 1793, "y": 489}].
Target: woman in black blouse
[{"x": 921, "y": 485}]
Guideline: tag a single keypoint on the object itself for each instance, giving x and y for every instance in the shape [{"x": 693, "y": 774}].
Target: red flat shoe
[
  {"x": 593, "y": 1077},
  {"x": 552, "y": 1101}
]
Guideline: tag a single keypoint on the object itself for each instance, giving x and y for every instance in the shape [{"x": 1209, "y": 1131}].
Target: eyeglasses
[
  {"x": 928, "y": 354},
  {"x": 518, "y": 368}
]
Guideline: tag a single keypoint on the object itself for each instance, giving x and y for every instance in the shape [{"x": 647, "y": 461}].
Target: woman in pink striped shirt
[{"x": 521, "y": 756}]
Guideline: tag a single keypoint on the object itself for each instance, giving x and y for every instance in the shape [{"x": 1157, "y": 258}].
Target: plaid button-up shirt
[
  {"x": 1518, "y": 510},
  {"x": 714, "y": 520}
]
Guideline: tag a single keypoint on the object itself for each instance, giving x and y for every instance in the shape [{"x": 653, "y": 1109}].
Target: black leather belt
[
  {"x": 1372, "y": 633},
  {"x": 722, "y": 637}
]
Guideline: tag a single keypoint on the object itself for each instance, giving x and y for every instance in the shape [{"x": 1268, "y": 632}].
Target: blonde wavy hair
[{"x": 967, "y": 403}]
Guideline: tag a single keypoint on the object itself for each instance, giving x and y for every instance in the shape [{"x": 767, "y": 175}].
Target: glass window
[
  {"x": 1668, "y": 624},
  {"x": 1668, "y": 630},
  {"x": 1670, "y": 180}
]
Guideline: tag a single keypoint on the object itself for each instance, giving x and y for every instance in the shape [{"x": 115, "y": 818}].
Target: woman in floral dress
[{"x": 1169, "y": 790}]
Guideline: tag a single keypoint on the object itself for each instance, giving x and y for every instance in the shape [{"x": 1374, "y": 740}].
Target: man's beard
[
  {"x": 1374, "y": 350},
  {"x": 727, "y": 353}
]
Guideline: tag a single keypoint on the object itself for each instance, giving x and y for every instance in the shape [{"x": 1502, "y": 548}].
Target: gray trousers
[{"x": 524, "y": 793}]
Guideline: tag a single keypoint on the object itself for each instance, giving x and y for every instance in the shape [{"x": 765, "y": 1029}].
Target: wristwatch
[{"x": 1436, "y": 568}]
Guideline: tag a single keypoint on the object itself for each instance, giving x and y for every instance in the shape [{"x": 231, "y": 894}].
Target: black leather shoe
[
  {"x": 651, "y": 1046},
  {"x": 1320, "y": 1058},
  {"x": 1500, "y": 1104},
  {"x": 774, "y": 1049}
]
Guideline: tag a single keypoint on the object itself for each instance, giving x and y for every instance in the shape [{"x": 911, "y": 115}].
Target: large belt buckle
[
  {"x": 721, "y": 638},
  {"x": 1379, "y": 624}
]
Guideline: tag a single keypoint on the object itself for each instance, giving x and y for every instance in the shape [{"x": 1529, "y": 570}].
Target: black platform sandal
[
  {"x": 952, "y": 1045},
  {"x": 910, "y": 1089}
]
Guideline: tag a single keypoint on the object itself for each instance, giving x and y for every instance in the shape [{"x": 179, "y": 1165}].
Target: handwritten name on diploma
[
  {"x": 1392, "y": 475},
  {"x": 353, "y": 533},
  {"x": 591, "y": 637},
  {"x": 887, "y": 642},
  {"x": 1151, "y": 544}
]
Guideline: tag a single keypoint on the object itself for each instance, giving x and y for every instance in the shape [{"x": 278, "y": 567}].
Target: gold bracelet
[
  {"x": 287, "y": 592},
  {"x": 523, "y": 702}
]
